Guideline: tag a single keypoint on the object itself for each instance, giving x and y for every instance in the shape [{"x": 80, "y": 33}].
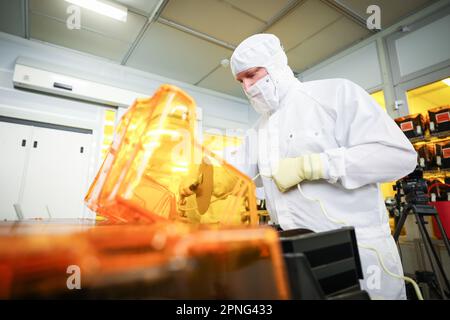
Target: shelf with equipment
[
  {"x": 430, "y": 135},
  {"x": 428, "y": 126},
  {"x": 432, "y": 138},
  {"x": 433, "y": 152},
  {"x": 436, "y": 174},
  {"x": 428, "y": 129}
]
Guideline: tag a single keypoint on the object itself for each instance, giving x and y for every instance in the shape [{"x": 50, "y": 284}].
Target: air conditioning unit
[{"x": 41, "y": 76}]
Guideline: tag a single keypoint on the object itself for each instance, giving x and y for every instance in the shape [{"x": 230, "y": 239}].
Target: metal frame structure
[
  {"x": 150, "y": 20},
  {"x": 349, "y": 13}
]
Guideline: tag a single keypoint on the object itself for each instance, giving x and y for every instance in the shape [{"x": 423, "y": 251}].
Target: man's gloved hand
[
  {"x": 187, "y": 188},
  {"x": 292, "y": 171},
  {"x": 224, "y": 182}
]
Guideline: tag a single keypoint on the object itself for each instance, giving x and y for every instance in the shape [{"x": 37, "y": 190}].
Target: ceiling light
[
  {"x": 104, "y": 7},
  {"x": 446, "y": 81}
]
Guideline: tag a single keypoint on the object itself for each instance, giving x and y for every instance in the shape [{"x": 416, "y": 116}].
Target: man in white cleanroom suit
[{"x": 332, "y": 138}]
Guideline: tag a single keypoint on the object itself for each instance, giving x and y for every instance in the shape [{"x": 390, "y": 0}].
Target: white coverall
[{"x": 360, "y": 147}]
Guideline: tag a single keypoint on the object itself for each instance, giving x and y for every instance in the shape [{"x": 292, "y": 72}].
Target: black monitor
[{"x": 332, "y": 256}]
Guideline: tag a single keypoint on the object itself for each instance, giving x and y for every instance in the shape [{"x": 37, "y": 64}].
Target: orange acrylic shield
[{"x": 155, "y": 155}]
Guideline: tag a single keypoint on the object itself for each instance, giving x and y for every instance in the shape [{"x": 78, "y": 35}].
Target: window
[
  {"x": 109, "y": 123},
  {"x": 379, "y": 97},
  {"x": 436, "y": 94}
]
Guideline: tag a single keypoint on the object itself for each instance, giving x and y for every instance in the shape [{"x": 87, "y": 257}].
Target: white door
[
  {"x": 15, "y": 140},
  {"x": 56, "y": 175}
]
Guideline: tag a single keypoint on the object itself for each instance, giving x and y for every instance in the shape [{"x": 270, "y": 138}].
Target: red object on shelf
[{"x": 443, "y": 209}]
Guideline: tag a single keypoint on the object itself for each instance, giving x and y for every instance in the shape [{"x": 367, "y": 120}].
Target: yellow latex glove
[
  {"x": 187, "y": 188},
  {"x": 224, "y": 182},
  {"x": 292, "y": 171}
]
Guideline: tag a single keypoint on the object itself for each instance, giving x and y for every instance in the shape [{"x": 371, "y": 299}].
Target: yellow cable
[
  {"x": 324, "y": 211},
  {"x": 255, "y": 177},
  {"x": 408, "y": 279}
]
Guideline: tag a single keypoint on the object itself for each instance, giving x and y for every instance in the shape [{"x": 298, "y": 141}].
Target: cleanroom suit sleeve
[{"x": 372, "y": 148}]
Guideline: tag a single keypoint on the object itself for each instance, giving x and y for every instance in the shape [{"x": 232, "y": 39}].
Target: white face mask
[{"x": 263, "y": 96}]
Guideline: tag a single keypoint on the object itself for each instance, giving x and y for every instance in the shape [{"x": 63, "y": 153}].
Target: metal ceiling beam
[
  {"x": 150, "y": 20},
  {"x": 289, "y": 7},
  {"x": 285, "y": 11},
  {"x": 26, "y": 19},
  {"x": 243, "y": 11},
  {"x": 280, "y": 15},
  {"x": 292, "y": 5},
  {"x": 328, "y": 25},
  {"x": 196, "y": 33},
  {"x": 208, "y": 74},
  {"x": 349, "y": 13}
]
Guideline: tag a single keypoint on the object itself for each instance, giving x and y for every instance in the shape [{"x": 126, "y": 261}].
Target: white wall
[
  {"x": 218, "y": 110},
  {"x": 216, "y": 106},
  {"x": 361, "y": 66}
]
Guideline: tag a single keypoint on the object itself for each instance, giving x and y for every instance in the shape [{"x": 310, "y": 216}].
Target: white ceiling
[
  {"x": 391, "y": 10},
  {"x": 175, "y": 54},
  {"x": 216, "y": 18},
  {"x": 334, "y": 37},
  {"x": 260, "y": 9},
  {"x": 303, "y": 22},
  {"x": 189, "y": 38},
  {"x": 223, "y": 79},
  {"x": 145, "y": 6}
]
